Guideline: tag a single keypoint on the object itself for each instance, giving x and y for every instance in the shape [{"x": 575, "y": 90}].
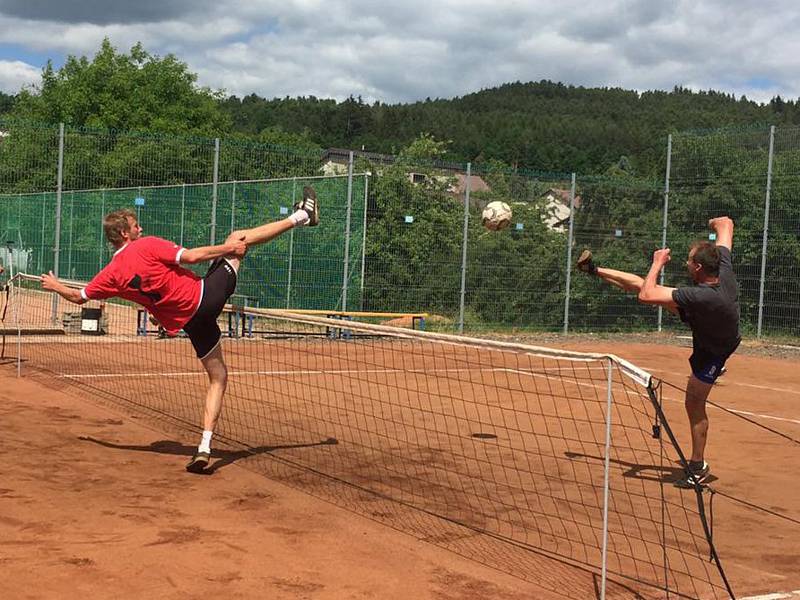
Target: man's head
[
  {"x": 121, "y": 227},
  {"x": 703, "y": 261}
]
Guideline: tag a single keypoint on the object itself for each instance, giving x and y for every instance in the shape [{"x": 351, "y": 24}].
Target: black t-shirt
[{"x": 712, "y": 311}]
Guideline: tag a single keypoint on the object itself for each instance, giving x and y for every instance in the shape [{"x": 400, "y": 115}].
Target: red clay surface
[
  {"x": 105, "y": 518},
  {"x": 80, "y": 520}
]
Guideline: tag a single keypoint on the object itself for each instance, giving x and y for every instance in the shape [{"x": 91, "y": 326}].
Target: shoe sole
[
  {"x": 313, "y": 216},
  {"x": 685, "y": 485},
  {"x": 584, "y": 260},
  {"x": 197, "y": 465}
]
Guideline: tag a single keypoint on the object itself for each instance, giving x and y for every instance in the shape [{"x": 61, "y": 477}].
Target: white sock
[
  {"x": 299, "y": 217},
  {"x": 205, "y": 443}
]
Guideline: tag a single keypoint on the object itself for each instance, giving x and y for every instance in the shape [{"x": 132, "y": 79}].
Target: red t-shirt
[{"x": 147, "y": 271}]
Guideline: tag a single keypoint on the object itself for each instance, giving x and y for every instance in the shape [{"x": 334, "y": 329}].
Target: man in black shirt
[{"x": 710, "y": 307}]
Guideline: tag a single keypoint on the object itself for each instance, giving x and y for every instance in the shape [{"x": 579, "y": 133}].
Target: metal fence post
[
  {"x": 59, "y": 187},
  {"x": 364, "y": 238},
  {"x": 233, "y": 207},
  {"x": 102, "y": 216},
  {"x": 291, "y": 250},
  {"x": 347, "y": 231},
  {"x": 569, "y": 252},
  {"x": 214, "y": 192},
  {"x": 71, "y": 222},
  {"x": 183, "y": 209},
  {"x": 766, "y": 232},
  {"x": 665, "y": 217},
  {"x": 464, "y": 251}
]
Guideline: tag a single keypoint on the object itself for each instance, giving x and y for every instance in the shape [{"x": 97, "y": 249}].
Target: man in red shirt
[{"x": 148, "y": 271}]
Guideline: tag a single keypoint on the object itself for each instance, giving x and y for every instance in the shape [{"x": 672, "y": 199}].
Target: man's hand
[
  {"x": 716, "y": 222},
  {"x": 661, "y": 257},
  {"x": 237, "y": 249},
  {"x": 723, "y": 226},
  {"x": 50, "y": 282}
]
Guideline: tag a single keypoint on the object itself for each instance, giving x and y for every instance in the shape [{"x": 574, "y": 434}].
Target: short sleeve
[
  {"x": 684, "y": 297},
  {"x": 725, "y": 259},
  {"x": 102, "y": 286},
  {"x": 164, "y": 251}
]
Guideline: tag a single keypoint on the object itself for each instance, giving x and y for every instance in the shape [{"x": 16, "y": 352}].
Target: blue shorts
[{"x": 707, "y": 366}]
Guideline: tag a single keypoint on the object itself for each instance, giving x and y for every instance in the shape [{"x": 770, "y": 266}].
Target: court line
[
  {"x": 751, "y": 385},
  {"x": 775, "y": 596}
]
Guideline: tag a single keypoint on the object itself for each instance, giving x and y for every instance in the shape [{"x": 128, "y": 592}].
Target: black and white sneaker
[
  {"x": 310, "y": 205},
  {"x": 697, "y": 473}
]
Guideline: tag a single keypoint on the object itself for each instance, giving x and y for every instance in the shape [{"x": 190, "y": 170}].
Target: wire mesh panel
[
  {"x": 620, "y": 220},
  {"x": 413, "y": 242},
  {"x": 714, "y": 174},
  {"x": 516, "y": 278},
  {"x": 781, "y": 306},
  {"x": 401, "y": 249}
]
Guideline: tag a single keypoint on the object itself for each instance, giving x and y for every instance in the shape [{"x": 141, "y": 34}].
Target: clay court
[{"x": 96, "y": 502}]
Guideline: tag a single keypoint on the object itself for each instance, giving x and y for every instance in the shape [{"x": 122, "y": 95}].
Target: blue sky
[{"x": 402, "y": 52}]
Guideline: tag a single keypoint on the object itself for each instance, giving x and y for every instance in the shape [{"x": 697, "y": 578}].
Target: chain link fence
[{"x": 400, "y": 235}]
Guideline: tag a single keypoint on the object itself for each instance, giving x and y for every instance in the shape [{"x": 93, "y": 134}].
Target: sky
[{"x": 405, "y": 51}]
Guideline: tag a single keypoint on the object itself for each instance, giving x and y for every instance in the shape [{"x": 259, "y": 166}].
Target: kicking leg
[
  {"x": 306, "y": 213},
  {"x": 625, "y": 281}
]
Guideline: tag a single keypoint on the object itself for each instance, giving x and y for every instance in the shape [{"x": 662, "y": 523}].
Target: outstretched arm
[
  {"x": 235, "y": 249},
  {"x": 723, "y": 226},
  {"x": 651, "y": 292},
  {"x": 52, "y": 284}
]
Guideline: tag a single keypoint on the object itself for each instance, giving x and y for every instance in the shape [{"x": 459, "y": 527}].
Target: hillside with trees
[{"x": 543, "y": 126}]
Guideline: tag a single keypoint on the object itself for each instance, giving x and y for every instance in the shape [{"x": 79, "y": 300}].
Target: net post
[
  {"x": 569, "y": 252},
  {"x": 59, "y": 187},
  {"x": 346, "y": 265},
  {"x": 364, "y": 237},
  {"x": 464, "y": 252},
  {"x": 19, "y": 329},
  {"x": 215, "y": 182},
  {"x": 665, "y": 218},
  {"x": 765, "y": 236},
  {"x": 606, "y": 478}
]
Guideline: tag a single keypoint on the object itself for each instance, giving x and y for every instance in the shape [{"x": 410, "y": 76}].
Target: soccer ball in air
[{"x": 496, "y": 216}]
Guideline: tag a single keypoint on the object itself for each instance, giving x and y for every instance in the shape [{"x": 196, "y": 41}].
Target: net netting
[{"x": 504, "y": 453}]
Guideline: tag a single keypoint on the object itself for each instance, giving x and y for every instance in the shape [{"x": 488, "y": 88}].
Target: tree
[{"x": 128, "y": 92}]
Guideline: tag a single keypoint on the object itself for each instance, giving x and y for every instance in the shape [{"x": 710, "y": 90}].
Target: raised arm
[
  {"x": 651, "y": 292},
  {"x": 52, "y": 284},
  {"x": 723, "y": 227},
  {"x": 236, "y": 249}
]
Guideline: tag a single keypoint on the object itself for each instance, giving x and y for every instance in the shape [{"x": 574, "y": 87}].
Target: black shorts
[
  {"x": 219, "y": 284},
  {"x": 707, "y": 366}
]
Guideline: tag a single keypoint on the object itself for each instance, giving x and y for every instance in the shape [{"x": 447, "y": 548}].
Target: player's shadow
[
  {"x": 220, "y": 457},
  {"x": 665, "y": 473}
]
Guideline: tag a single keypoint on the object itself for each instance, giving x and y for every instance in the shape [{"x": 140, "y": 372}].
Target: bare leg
[
  {"x": 696, "y": 395},
  {"x": 214, "y": 365},
  {"x": 623, "y": 280},
  {"x": 262, "y": 233}
]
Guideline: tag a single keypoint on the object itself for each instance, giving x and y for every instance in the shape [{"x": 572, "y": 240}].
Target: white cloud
[
  {"x": 15, "y": 74},
  {"x": 439, "y": 48}
]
